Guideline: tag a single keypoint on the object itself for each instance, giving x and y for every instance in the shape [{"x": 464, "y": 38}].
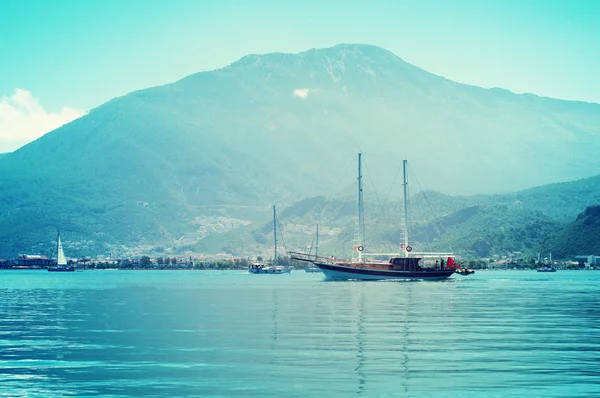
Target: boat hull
[
  {"x": 341, "y": 272},
  {"x": 61, "y": 269},
  {"x": 269, "y": 270},
  {"x": 312, "y": 270}
]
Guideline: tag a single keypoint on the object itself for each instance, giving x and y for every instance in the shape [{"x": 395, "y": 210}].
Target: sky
[{"x": 61, "y": 58}]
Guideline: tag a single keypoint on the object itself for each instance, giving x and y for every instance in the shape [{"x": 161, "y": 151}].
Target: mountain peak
[
  {"x": 365, "y": 53},
  {"x": 354, "y": 50}
]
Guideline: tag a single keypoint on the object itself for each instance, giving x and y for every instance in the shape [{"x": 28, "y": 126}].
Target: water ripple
[{"x": 119, "y": 334}]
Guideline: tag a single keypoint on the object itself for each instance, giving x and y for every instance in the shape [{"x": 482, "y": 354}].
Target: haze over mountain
[{"x": 277, "y": 128}]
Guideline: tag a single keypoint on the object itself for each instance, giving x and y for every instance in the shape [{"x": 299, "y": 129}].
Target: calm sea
[{"x": 232, "y": 334}]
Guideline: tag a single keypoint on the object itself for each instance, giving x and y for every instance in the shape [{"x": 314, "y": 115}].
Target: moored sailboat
[
  {"x": 61, "y": 260},
  {"x": 258, "y": 267},
  {"x": 402, "y": 266}
]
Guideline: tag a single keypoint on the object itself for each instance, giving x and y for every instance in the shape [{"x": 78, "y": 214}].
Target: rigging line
[
  {"x": 381, "y": 213},
  {"x": 425, "y": 224},
  {"x": 382, "y": 156},
  {"x": 422, "y": 219},
  {"x": 436, "y": 217},
  {"x": 387, "y": 199},
  {"x": 425, "y": 198},
  {"x": 377, "y": 200},
  {"x": 425, "y": 221},
  {"x": 393, "y": 182},
  {"x": 328, "y": 199},
  {"x": 312, "y": 243},
  {"x": 280, "y": 228}
]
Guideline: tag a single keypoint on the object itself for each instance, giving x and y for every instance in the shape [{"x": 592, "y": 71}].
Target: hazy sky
[{"x": 59, "y": 59}]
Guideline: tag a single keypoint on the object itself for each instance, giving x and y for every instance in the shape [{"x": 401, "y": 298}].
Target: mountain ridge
[{"x": 278, "y": 128}]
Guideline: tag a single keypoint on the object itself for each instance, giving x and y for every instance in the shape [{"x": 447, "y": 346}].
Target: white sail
[{"x": 61, "y": 259}]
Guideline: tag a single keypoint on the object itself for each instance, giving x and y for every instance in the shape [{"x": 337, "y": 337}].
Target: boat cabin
[{"x": 405, "y": 264}]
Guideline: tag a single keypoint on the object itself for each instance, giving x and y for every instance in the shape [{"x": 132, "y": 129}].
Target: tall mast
[
  {"x": 274, "y": 236},
  {"x": 361, "y": 219},
  {"x": 317, "y": 248},
  {"x": 405, "y": 208}
]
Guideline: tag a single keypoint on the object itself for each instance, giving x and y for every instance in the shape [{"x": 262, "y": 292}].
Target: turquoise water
[{"x": 230, "y": 334}]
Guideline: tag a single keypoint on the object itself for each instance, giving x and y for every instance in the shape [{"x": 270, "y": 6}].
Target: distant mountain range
[{"x": 169, "y": 164}]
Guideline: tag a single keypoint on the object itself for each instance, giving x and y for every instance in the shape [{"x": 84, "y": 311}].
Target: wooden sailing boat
[
  {"x": 403, "y": 266},
  {"x": 61, "y": 260}
]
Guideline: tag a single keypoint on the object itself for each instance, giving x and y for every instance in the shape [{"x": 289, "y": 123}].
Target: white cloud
[
  {"x": 22, "y": 119},
  {"x": 301, "y": 92}
]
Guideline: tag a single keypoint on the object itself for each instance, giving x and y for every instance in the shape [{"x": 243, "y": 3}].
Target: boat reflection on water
[
  {"x": 368, "y": 345},
  {"x": 360, "y": 345}
]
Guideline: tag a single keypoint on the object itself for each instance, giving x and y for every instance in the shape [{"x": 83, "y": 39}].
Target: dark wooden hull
[
  {"x": 61, "y": 269},
  {"x": 358, "y": 272}
]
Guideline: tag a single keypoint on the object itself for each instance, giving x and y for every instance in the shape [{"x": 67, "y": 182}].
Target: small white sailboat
[
  {"x": 61, "y": 260},
  {"x": 258, "y": 267}
]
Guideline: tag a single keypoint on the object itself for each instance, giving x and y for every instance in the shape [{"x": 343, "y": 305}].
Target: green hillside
[
  {"x": 149, "y": 168},
  {"x": 581, "y": 237}
]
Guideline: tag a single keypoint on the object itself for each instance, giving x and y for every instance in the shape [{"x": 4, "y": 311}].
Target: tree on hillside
[{"x": 145, "y": 262}]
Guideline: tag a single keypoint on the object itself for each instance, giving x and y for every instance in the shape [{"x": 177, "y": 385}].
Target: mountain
[
  {"x": 519, "y": 224},
  {"x": 171, "y": 163},
  {"x": 580, "y": 237}
]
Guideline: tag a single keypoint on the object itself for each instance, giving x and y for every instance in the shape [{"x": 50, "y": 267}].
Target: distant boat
[
  {"x": 464, "y": 271},
  {"x": 404, "y": 266},
  {"x": 546, "y": 268},
  {"x": 458, "y": 269},
  {"x": 261, "y": 268},
  {"x": 546, "y": 265},
  {"x": 258, "y": 267},
  {"x": 61, "y": 260}
]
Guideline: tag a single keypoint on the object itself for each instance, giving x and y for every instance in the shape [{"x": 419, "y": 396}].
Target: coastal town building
[
  {"x": 33, "y": 261},
  {"x": 588, "y": 261}
]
